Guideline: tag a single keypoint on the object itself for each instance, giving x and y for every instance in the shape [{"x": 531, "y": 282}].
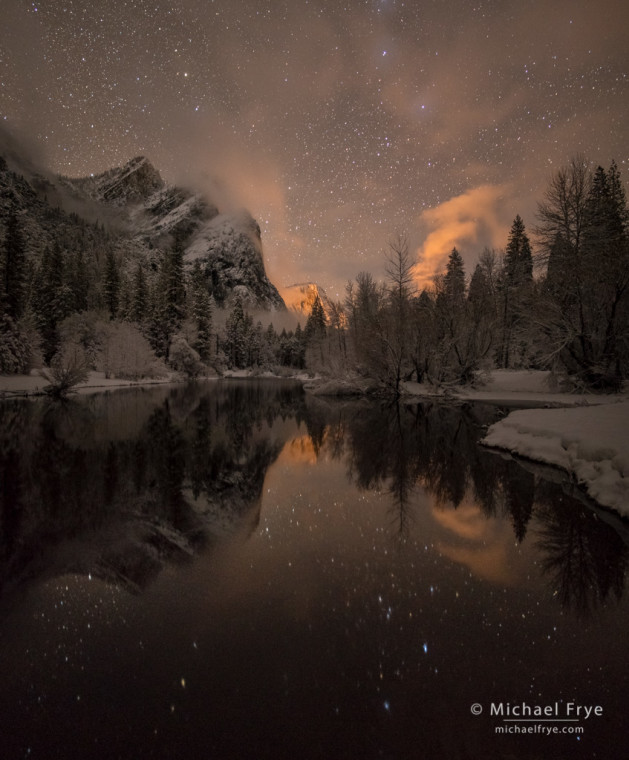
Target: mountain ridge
[{"x": 145, "y": 217}]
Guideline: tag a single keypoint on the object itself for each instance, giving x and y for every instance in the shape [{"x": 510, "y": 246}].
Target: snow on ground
[
  {"x": 590, "y": 442},
  {"x": 589, "y": 438},
  {"x": 23, "y": 385},
  {"x": 525, "y": 386},
  {"x": 509, "y": 387}
]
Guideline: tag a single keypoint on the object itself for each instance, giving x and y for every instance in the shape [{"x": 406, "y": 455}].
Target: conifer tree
[
  {"x": 172, "y": 285},
  {"x": 52, "y": 298},
  {"x": 316, "y": 322},
  {"x": 125, "y": 305},
  {"x": 518, "y": 257},
  {"x": 479, "y": 296},
  {"x": 515, "y": 288},
  {"x": 140, "y": 296},
  {"x": 454, "y": 281},
  {"x": 202, "y": 312},
  {"x": 584, "y": 316},
  {"x": 13, "y": 269},
  {"x": 299, "y": 354},
  {"x": 236, "y": 336},
  {"x": 79, "y": 281},
  {"x": 112, "y": 284}
]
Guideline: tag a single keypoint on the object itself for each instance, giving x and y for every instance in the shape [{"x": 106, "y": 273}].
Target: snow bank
[
  {"x": 520, "y": 380},
  {"x": 523, "y": 386},
  {"x": 507, "y": 386},
  {"x": 591, "y": 442},
  {"x": 34, "y": 384}
]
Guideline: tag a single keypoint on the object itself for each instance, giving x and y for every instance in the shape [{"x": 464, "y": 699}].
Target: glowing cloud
[
  {"x": 483, "y": 545},
  {"x": 474, "y": 218}
]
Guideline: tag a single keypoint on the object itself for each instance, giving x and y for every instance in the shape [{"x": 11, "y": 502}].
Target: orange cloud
[
  {"x": 484, "y": 545},
  {"x": 474, "y": 218},
  {"x": 234, "y": 177}
]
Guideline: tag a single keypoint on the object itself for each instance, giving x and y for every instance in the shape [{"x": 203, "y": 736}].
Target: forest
[{"x": 556, "y": 298}]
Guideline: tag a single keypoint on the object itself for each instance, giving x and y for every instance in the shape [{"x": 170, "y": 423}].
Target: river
[{"x": 239, "y": 570}]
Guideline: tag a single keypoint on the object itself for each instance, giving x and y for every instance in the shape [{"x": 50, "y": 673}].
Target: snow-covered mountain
[
  {"x": 143, "y": 216},
  {"x": 229, "y": 247},
  {"x": 300, "y": 297}
]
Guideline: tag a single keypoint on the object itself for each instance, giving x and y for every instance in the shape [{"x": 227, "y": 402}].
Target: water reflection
[
  {"x": 119, "y": 496},
  {"x": 584, "y": 560},
  {"x": 119, "y": 485},
  {"x": 434, "y": 448}
]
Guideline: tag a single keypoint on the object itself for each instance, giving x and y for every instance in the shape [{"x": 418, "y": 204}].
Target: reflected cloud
[
  {"x": 466, "y": 521},
  {"x": 491, "y": 562},
  {"x": 488, "y": 543}
]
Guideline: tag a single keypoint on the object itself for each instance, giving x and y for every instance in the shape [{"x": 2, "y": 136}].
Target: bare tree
[
  {"x": 584, "y": 238},
  {"x": 68, "y": 368},
  {"x": 562, "y": 213}
]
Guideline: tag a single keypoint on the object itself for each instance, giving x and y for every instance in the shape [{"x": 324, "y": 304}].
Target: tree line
[
  {"x": 75, "y": 295},
  {"x": 563, "y": 306}
]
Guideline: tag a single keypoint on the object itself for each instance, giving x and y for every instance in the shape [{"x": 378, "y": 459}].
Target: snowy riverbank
[
  {"x": 511, "y": 388},
  {"x": 34, "y": 384},
  {"x": 588, "y": 437},
  {"x": 591, "y": 443}
]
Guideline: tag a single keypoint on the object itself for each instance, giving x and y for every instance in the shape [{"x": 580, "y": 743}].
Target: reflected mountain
[{"x": 118, "y": 485}]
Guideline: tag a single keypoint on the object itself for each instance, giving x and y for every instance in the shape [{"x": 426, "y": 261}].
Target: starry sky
[{"x": 338, "y": 124}]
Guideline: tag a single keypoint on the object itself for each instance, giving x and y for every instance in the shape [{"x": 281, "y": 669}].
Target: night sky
[{"x": 338, "y": 124}]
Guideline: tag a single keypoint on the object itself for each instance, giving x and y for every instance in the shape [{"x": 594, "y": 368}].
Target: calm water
[{"x": 237, "y": 570}]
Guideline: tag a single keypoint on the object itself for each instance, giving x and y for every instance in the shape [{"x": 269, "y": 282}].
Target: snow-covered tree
[
  {"x": 583, "y": 317},
  {"x": 111, "y": 285},
  {"x": 13, "y": 269},
  {"x": 514, "y": 291}
]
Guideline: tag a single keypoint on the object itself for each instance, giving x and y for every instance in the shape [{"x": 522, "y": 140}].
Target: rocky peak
[
  {"x": 301, "y": 296},
  {"x": 132, "y": 183},
  {"x": 229, "y": 248}
]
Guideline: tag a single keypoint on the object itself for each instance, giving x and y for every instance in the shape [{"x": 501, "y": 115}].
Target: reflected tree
[
  {"x": 399, "y": 449},
  {"x": 121, "y": 499},
  {"x": 585, "y": 559},
  {"x": 519, "y": 499}
]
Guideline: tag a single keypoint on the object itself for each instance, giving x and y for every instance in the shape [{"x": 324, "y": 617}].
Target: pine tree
[
  {"x": 79, "y": 281},
  {"x": 202, "y": 311},
  {"x": 173, "y": 287},
  {"x": 458, "y": 352},
  {"x": 299, "y": 354},
  {"x": 125, "y": 305},
  {"x": 168, "y": 301},
  {"x": 13, "y": 268},
  {"x": 51, "y": 298},
  {"x": 518, "y": 257},
  {"x": 585, "y": 311},
  {"x": 479, "y": 296},
  {"x": 256, "y": 343},
  {"x": 112, "y": 284},
  {"x": 139, "y": 296},
  {"x": 316, "y": 322},
  {"x": 236, "y": 336},
  {"x": 454, "y": 281},
  {"x": 514, "y": 288}
]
